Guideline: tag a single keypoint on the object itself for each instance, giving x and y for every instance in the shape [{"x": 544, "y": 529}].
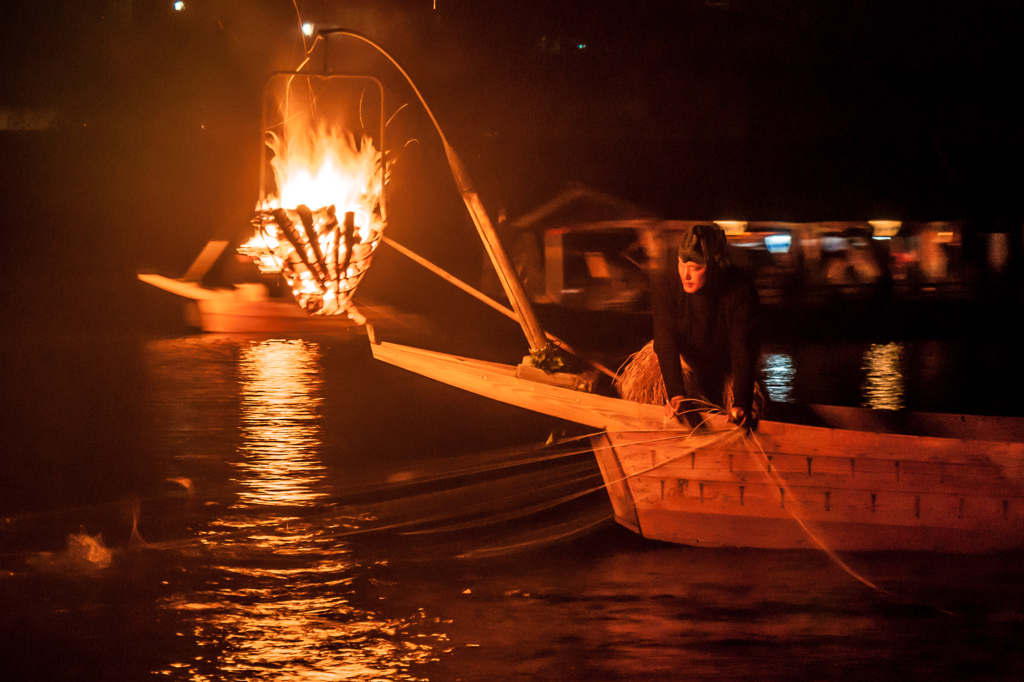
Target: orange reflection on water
[
  {"x": 261, "y": 634},
  {"x": 281, "y": 397},
  {"x": 274, "y": 602},
  {"x": 883, "y": 385}
]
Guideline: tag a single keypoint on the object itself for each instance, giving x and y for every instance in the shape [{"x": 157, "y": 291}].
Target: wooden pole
[
  {"x": 448, "y": 277},
  {"x": 513, "y": 288},
  {"x": 484, "y": 298},
  {"x": 509, "y": 281}
]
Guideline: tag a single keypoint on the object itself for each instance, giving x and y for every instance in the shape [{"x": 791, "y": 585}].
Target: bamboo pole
[
  {"x": 484, "y": 298},
  {"x": 513, "y": 288},
  {"x": 509, "y": 281}
]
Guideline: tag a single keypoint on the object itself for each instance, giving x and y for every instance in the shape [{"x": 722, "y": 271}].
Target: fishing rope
[
  {"x": 515, "y": 514},
  {"x": 526, "y": 511},
  {"x": 401, "y": 524},
  {"x": 501, "y": 460},
  {"x": 724, "y": 435},
  {"x": 749, "y": 437},
  {"x": 13, "y": 519},
  {"x": 398, "y": 525},
  {"x": 520, "y": 546},
  {"x": 506, "y": 459},
  {"x": 564, "y": 472},
  {"x": 680, "y": 436},
  {"x": 762, "y": 462},
  {"x": 550, "y": 504},
  {"x": 562, "y": 500}
]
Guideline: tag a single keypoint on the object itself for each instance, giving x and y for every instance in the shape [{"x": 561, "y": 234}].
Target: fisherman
[{"x": 706, "y": 336}]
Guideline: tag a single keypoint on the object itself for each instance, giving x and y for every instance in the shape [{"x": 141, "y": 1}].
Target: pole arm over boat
[{"x": 506, "y": 274}]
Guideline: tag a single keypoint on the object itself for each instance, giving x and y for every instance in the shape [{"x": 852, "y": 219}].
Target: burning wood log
[
  {"x": 322, "y": 261},
  {"x": 287, "y": 228},
  {"x": 350, "y": 239},
  {"x": 306, "y": 216}
]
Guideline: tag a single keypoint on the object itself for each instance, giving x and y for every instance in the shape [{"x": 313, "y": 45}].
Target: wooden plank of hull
[
  {"x": 222, "y": 310},
  {"x": 785, "y": 486},
  {"x": 742, "y": 459},
  {"x": 192, "y": 290},
  {"x": 225, "y": 315},
  {"x": 616, "y": 483},
  {"x": 499, "y": 382},
  {"x": 709, "y": 530},
  {"x": 707, "y": 492},
  {"x": 228, "y": 310},
  {"x": 698, "y": 511}
]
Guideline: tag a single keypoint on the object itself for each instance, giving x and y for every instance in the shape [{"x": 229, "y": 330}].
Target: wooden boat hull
[
  {"x": 246, "y": 308},
  {"x": 768, "y": 492},
  {"x": 832, "y": 484},
  {"x": 226, "y": 315}
]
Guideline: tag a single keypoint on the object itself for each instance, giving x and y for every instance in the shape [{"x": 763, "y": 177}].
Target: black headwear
[{"x": 704, "y": 245}]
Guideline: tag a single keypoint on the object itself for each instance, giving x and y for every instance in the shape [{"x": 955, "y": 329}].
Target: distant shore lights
[
  {"x": 732, "y": 227},
  {"x": 778, "y": 243},
  {"x": 885, "y": 229}
]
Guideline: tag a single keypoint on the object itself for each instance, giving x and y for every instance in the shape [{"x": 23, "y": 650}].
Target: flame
[{"x": 321, "y": 228}]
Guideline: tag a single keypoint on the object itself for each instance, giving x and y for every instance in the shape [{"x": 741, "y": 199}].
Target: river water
[{"x": 205, "y": 507}]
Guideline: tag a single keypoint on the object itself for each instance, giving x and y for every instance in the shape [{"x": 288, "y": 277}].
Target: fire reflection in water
[
  {"x": 281, "y": 398},
  {"x": 274, "y": 599},
  {"x": 883, "y": 386}
]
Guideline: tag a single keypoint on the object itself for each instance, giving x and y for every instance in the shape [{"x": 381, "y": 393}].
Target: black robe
[{"x": 716, "y": 330}]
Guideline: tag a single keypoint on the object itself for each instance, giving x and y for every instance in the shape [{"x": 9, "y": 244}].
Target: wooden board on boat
[{"x": 501, "y": 382}]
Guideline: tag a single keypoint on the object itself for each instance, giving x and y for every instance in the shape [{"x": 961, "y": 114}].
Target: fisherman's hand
[
  {"x": 741, "y": 418},
  {"x": 673, "y": 406},
  {"x": 681, "y": 409}
]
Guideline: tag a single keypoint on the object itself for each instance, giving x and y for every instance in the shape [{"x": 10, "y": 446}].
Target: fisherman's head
[{"x": 701, "y": 253}]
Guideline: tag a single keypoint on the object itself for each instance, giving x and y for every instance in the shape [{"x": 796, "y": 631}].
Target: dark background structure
[{"x": 130, "y": 131}]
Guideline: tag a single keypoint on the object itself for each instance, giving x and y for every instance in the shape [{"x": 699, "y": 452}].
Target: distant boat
[{"x": 247, "y": 307}]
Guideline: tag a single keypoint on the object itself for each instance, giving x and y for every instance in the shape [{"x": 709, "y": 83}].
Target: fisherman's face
[{"x": 692, "y": 276}]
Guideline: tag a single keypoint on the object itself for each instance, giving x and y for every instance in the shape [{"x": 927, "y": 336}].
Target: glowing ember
[{"x": 322, "y": 228}]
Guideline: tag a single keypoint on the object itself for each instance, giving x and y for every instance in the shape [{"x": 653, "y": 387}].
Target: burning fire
[{"x": 321, "y": 228}]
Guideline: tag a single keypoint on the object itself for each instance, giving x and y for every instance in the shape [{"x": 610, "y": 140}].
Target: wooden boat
[
  {"x": 844, "y": 479},
  {"x": 247, "y": 307},
  {"x": 839, "y": 478},
  {"x": 835, "y": 478}
]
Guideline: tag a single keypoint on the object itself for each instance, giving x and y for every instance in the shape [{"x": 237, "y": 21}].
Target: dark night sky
[
  {"x": 766, "y": 108},
  {"x": 752, "y": 109}
]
